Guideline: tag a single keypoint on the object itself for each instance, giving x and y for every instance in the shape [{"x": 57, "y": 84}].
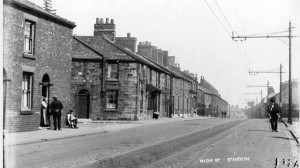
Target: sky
[{"x": 198, "y": 33}]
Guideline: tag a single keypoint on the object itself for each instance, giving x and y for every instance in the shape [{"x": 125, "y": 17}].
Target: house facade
[
  {"x": 37, "y": 62},
  {"x": 112, "y": 82}
]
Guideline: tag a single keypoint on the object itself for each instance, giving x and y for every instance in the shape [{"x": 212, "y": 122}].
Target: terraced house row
[{"x": 102, "y": 77}]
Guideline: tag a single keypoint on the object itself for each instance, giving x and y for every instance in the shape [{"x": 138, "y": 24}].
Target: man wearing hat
[
  {"x": 274, "y": 112},
  {"x": 56, "y": 107}
]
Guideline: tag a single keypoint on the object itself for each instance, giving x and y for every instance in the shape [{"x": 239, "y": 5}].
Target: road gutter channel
[{"x": 296, "y": 139}]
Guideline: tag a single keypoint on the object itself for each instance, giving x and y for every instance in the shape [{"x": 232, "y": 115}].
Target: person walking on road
[
  {"x": 274, "y": 114},
  {"x": 56, "y": 110}
]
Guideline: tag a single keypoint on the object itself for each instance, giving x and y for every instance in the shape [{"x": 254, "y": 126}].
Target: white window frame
[
  {"x": 27, "y": 88},
  {"x": 29, "y": 35},
  {"x": 110, "y": 70}
]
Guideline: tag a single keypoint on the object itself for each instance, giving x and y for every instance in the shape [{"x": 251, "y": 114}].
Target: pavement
[
  {"x": 86, "y": 127},
  {"x": 294, "y": 128},
  {"x": 89, "y": 127}
]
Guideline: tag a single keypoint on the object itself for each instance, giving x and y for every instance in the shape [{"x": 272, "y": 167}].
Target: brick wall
[
  {"x": 128, "y": 42},
  {"x": 160, "y": 57},
  {"x": 51, "y": 56}
]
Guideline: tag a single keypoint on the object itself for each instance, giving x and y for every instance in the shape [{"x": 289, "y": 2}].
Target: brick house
[
  {"x": 112, "y": 82},
  {"x": 37, "y": 62},
  {"x": 184, "y": 91}
]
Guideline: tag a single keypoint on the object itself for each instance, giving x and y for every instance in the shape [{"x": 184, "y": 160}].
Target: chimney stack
[{"x": 105, "y": 29}]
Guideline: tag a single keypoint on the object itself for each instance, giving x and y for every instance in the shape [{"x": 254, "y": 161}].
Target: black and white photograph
[{"x": 150, "y": 83}]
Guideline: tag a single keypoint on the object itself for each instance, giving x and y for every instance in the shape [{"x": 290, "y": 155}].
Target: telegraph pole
[
  {"x": 267, "y": 86},
  {"x": 280, "y": 81},
  {"x": 290, "y": 62},
  {"x": 290, "y": 74},
  {"x": 255, "y": 94}
]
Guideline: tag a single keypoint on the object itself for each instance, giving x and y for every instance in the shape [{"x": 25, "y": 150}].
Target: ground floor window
[
  {"x": 112, "y": 99},
  {"x": 27, "y": 82}
]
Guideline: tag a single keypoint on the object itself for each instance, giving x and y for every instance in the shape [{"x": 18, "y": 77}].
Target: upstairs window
[
  {"x": 27, "y": 82},
  {"x": 112, "y": 71},
  {"x": 29, "y": 37}
]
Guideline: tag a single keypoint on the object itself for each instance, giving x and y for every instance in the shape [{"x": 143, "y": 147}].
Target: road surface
[{"x": 196, "y": 143}]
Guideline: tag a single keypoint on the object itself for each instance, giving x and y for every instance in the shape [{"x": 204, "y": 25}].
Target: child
[{"x": 72, "y": 120}]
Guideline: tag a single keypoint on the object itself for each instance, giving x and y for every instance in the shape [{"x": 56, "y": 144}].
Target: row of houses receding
[
  {"x": 259, "y": 110},
  {"x": 102, "y": 77}
]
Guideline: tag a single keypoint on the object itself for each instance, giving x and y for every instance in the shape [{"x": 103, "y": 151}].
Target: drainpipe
[
  {"x": 138, "y": 90},
  {"x": 171, "y": 97},
  {"x": 103, "y": 75}
]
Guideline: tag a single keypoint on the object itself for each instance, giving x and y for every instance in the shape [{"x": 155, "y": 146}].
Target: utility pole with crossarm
[
  {"x": 290, "y": 60},
  {"x": 280, "y": 82}
]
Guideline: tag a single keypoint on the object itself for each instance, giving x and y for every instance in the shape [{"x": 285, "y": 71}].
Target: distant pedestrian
[
  {"x": 44, "y": 115},
  {"x": 56, "y": 110},
  {"x": 274, "y": 114}
]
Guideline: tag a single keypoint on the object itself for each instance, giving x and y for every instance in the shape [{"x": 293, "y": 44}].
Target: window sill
[
  {"x": 111, "y": 110},
  {"x": 112, "y": 80},
  {"x": 30, "y": 56},
  {"x": 26, "y": 112}
]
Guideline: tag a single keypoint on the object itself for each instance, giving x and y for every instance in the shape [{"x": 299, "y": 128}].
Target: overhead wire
[
  {"x": 223, "y": 15},
  {"x": 269, "y": 33},
  {"x": 245, "y": 54},
  {"x": 217, "y": 18},
  {"x": 246, "y": 63}
]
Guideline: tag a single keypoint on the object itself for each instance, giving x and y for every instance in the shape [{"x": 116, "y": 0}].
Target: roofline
[
  {"x": 87, "y": 59},
  {"x": 41, "y": 11},
  {"x": 88, "y": 46},
  {"x": 132, "y": 54}
]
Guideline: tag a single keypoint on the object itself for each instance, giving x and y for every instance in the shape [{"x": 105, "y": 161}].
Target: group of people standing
[{"x": 55, "y": 110}]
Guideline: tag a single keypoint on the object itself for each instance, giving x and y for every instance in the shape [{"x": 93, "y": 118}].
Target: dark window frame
[{"x": 114, "y": 100}]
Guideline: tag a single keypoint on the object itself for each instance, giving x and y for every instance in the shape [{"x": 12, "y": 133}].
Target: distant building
[{"x": 236, "y": 112}]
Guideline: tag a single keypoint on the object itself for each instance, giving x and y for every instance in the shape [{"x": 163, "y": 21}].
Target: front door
[{"x": 83, "y": 104}]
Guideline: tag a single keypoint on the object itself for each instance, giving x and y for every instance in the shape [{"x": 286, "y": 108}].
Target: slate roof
[
  {"x": 96, "y": 46},
  {"x": 205, "y": 90},
  {"x": 81, "y": 50},
  {"x": 104, "y": 48},
  {"x": 137, "y": 56}
]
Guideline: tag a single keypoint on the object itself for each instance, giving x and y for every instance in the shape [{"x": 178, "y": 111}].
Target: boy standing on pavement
[{"x": 56, "y": 108}]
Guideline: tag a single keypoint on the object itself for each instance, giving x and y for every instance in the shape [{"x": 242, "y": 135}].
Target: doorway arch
[
  {"x": 45, "y": 86},
  {"x": 45, "y": 117},
  {"x": 83, "y": 104}
]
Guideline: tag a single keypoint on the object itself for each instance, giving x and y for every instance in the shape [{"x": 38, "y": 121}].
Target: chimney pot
[
  {"x": 111, "y": 21},
  {"x": 128, "y": 34},
  {"x": 107, "y": 21},
  {"x": 101, "y": 21},
  {"x": 97, "y": 21}
]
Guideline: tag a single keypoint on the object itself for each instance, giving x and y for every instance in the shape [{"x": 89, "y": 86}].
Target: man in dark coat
[
  {"x": 274, "y": 112},
  {"x": 56, "y": 107}
]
